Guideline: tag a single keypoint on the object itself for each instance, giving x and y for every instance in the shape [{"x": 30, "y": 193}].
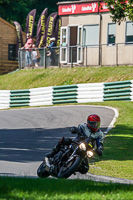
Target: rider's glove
[{"x": 73, "y": 129}]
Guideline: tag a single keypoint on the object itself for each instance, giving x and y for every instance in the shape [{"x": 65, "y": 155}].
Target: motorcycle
[{"x": 67, "y": 161}]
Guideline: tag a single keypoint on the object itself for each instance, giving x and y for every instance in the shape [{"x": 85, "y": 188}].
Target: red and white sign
[
  {"x": 71, "y": 9},
  {"x": 103, "y": 7},
  {"x": 81, "y": 8}
]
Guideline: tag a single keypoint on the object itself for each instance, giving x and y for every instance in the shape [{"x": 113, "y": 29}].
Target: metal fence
[
  {"x": 47, "y": 58},
  {"x": 91, "y": 55}
]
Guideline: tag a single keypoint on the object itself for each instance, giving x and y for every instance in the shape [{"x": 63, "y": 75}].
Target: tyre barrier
[{"x": 80, "y": 93}]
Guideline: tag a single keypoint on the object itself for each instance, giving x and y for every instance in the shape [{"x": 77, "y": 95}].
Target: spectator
[
  {"x": 28, "y": 48},
  {"x": 52, "y": 50},
  {"x": 35, "y": 56}
]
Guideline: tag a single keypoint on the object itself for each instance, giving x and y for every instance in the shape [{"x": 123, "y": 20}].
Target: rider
[{"x": 87, "y": 130}]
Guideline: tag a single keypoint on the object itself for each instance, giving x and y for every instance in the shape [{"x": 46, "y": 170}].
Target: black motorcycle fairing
[
  {"x": 70, "y": 159},
  {"x": 41, "y": 172}
]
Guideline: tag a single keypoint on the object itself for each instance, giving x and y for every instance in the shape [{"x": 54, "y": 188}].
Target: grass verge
[
  {"x": 118, "y": 149},
  {"x": 27, "y": 79},
  {"x": 52, "y": 189}
]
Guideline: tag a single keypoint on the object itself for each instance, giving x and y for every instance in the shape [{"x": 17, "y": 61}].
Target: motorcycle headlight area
[
  {"x": 89, "y": 154},
  {"x": 82, "y": 146}
]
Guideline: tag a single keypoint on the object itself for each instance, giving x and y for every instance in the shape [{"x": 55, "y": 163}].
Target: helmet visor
[{"x": 94, "y": 125}]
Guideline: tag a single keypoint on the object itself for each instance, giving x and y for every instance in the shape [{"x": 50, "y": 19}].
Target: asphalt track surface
[{"x": 26, "y": 135}]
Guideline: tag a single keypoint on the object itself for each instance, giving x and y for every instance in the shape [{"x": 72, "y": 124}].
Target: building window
[
  {"x": 129, "y": 32},
  {"x": 111, "y": 33},
  {"x": 91, "y": 34},
  {"x": 12, "y": 52}
]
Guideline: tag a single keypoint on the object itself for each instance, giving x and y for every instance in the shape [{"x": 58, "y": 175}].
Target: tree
[
  {"x": 120, "y": 9},
  {"x": 17, "y": 10}
]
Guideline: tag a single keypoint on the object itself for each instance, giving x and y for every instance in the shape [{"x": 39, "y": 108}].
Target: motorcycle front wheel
[
  {"x": 41, "y": 172},
  {"x": 68, "y": 170}
]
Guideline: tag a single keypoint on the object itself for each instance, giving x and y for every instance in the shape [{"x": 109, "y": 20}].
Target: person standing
[
  {"x": 35, "y": 56},
  {"x": 28, "y": 48},
  {"x": 52, "y": 51}
]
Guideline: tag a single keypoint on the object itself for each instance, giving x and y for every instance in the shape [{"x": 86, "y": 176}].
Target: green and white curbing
[
  {"x": 118, "y": 91},
  {"x": 80, "y": 93}
]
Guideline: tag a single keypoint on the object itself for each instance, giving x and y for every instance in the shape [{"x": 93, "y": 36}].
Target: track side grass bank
[
  {"x": 117, "y": 159},
  {"x": 53, "y": 189},
  {"x": 118, "y": 146},
  {"x": 33, "y": 78}
]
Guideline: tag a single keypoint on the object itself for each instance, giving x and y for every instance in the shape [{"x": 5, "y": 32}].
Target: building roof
[
  {"x": 80, "y": 1},
  {"x": 9, "y": 24}
]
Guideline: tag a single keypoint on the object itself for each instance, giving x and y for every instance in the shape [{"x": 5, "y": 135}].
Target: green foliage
[
  {"x": 120, "y": 9},
  {"x": 17, "y": 10}
]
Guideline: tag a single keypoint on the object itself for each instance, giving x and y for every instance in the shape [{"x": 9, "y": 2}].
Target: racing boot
[
  {"x": 50, "y": 167},
  {"x": 55, "y": 150}
]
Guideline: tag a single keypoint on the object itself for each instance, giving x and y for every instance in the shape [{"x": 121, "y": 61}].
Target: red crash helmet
[{"x": 93, "y": 122}]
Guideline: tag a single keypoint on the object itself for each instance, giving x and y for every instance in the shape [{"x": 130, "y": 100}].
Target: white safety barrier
[
  {"x": 81, "y": 93},
  {"x": 4, "y": 99},
  {"x": 41, "y": 96},
  {"x": 90, "y": 92}
]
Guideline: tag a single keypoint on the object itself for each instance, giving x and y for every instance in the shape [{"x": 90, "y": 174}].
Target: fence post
[
  {"x": 86, "y": 55},
  {"x": 100, "y": 55},
  {"x": 117, "y": 54},
  {"x": 71, "y": 58},
  {"x": 59, "y": 64},
  {"x": 19, "y": 59},
  {"x": 25, "y": 58},
  {"x": 44, "y": 60}
]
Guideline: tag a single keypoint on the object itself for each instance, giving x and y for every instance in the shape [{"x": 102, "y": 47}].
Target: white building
[{"x": 96, "y": 39}]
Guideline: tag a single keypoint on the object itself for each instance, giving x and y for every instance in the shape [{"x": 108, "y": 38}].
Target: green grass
[
  {"x": 117, "y": 158},
  {"x": 26, "y": 79},
  {"x": 52, "y": 189}
]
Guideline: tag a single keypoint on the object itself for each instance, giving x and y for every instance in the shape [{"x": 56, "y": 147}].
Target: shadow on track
[{"x": 29, "y": 145}]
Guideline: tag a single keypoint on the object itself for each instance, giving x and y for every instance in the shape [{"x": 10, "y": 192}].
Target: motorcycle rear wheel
[
  {"x": 65, "y": 172},
  {"x": 41, "y": 172}
]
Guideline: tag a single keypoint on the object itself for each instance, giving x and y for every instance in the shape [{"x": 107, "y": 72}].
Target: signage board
[{"x": 81, "y": 8}]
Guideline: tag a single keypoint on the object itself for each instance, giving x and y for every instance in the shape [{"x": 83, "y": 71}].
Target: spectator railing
[
  {"x": 90, "y": 55},
  {"x": 48, "y": 58}
]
